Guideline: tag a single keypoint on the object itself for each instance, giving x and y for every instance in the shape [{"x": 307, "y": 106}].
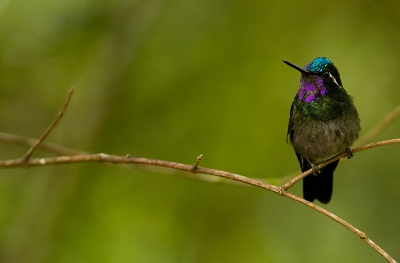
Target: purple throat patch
[{"x": 311, "y": 88}]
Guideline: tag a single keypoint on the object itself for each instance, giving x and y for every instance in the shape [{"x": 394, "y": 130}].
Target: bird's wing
[{"x": 290, "y": 131}]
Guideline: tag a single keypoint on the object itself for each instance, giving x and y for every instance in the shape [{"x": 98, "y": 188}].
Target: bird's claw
[
  {"x": 349, "y": 153},
  {"x": 315, "y": 169}
]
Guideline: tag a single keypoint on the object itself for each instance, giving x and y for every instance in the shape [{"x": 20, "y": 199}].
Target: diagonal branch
[
  {"x": 29, "y": 153},
  {"x": 344, "y": 223},
  {"x": 386, "y": 121},
  {"x": 340, "y": 156}
]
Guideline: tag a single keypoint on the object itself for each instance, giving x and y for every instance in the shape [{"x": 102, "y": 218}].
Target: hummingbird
[{"x": 323, "y": 123}]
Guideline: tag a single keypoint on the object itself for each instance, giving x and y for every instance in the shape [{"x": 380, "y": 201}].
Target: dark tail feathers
[{"x": 319, "y": 186}]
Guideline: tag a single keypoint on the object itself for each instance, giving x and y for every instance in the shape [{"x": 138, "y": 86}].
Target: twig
[
  {"x": 105, "y": 158},
  {"x": 114, "y": 159},
  {"x": 281, "y": 190},
  {"x": 344, "y": 223},
  {"x": 386, "y": 121},
  {"x": 46, "y": 146},
  {"x": 198, "y": 159},
  {"x": 59, "y": 150},
  {"x": 376, "y": 144},
  {"x": 340, "y": 156},
  {"x": 302, "y": 175},
  {"x": 29, "y": 153}
]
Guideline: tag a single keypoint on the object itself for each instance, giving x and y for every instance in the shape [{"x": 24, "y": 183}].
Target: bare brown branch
[
  {"x": 344, "y": 223},
  {"x": 281, "y": 190},
  {"x": 26, "y": 161},
  {"x": 29, "y": 153},
  {"x": 46, "y": 146},
  {"x": 386, "y": 121},
  {"x": 342, "y": 155}
]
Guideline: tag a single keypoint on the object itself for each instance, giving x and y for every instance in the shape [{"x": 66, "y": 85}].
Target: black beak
[{"x": 297, "y": 67}]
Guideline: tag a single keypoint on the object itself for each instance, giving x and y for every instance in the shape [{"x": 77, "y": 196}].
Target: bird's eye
[{"x": 325, "y": 75}]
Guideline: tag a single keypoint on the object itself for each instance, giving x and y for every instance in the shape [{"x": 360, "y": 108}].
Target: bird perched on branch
[{"x": 323, "y": 123}]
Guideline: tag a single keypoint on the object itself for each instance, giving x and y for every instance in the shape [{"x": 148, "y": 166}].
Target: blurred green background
[{"x": 170, "y": 80}]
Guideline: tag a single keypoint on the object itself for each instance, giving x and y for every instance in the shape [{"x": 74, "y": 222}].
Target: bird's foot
[
  {"x": 315, "y": 169},
  {"x": 349, "y": 153}
]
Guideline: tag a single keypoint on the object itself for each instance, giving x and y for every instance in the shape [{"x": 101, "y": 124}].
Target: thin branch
[
  {"x": 46, "y": 146},
  {"x": 375, "y": 131},
  {"x": 29, "y": 153},
  {"x": 376, "y": 144},
  {"x": 290, "y": 179},
  {"x": 344, "y": 223},
  {"x": 26, "y": 160},
  {"x": 101, "y": 157},
  {"x": 114, "y": 159},
  {"x": 281, "y": 190},
  {"x": 342, "y": 155}
]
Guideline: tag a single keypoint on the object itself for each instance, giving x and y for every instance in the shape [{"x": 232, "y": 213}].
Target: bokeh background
[{"x": 171, "y": 80}]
